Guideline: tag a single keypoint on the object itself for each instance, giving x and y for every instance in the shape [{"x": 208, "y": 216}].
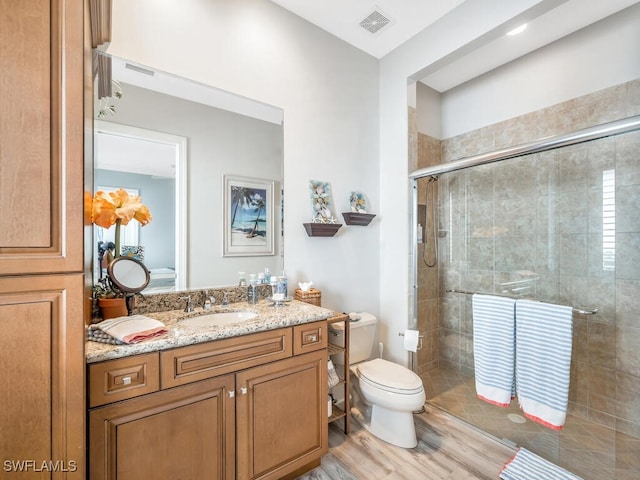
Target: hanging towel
[
  {"x": 125, "y": 330},
  {"x": 494, "y": 348},
  {"x": 543, "y": 359},
  {"x": 527, "y": 466}
]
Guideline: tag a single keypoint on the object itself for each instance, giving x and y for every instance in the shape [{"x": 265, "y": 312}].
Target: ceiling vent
[{"x": 375, "y": 21}]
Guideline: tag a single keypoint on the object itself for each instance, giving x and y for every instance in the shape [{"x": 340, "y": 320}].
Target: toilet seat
[{"x": 390, "y": 377}]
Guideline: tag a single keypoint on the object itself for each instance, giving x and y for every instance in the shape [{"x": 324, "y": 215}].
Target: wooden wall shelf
[
  {"x": 321, "y": 229},
  {"x": 353, "y": 218}
]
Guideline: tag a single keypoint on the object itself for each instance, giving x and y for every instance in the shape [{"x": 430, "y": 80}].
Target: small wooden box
[{"x": 313, "y": 296}]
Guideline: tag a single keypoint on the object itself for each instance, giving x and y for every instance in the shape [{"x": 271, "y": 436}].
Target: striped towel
[
  {"x": 494, "y": 348},
  {"x": 527, "y": 466},
  {"x": 543, "y": 358},
  {"x": 125, "y": 330}
]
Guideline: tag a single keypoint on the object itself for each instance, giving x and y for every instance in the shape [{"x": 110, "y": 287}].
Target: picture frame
[{"x": 248, "y": 216}]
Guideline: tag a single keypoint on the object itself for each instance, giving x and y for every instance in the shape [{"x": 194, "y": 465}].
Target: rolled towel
[
  {"x": 494, "y": 348},
  {"x": 126, "y": 330}
]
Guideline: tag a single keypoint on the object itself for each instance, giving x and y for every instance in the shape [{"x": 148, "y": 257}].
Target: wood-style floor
[{"x": 447, "y": 449}]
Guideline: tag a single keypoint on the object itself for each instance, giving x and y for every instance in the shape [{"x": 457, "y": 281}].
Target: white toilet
[{"x": 384, "y": 394}]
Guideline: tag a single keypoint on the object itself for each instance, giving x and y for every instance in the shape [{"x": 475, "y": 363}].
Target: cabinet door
[
  {"x": 41, "y": 136},
  {"x": 42, "y": 402},
  {"x": 281, "y": 416},
  {"x": 181, "y": 433}
]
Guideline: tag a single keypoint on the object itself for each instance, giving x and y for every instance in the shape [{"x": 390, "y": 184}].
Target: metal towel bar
[{"x": 581, "y": 311}]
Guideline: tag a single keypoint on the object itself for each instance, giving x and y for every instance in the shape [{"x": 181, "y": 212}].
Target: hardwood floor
[{"x": 447, "y": 449}]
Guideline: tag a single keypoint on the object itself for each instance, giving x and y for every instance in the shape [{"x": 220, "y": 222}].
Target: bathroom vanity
[{"x": 245, "y": 400}]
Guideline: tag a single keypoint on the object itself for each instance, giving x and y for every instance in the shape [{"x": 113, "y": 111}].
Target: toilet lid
[{"x": 390, "y": 377}]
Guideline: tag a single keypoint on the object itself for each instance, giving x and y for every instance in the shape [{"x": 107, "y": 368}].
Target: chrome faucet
[{"x": 189, "y": 307}]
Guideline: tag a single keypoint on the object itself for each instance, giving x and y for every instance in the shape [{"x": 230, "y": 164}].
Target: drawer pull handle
[
  {"x": 312, "y": 338},
  {"x": 232, "y": 393},
  {"x": 243, "y": 390},
  {"x": 126, "y": 380}
]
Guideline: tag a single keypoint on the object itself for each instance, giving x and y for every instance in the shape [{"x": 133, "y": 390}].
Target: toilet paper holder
[{"x": 420, "y": 337}]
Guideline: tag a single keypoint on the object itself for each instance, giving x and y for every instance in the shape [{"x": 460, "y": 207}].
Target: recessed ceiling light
[{"x": 518, "y": 30}]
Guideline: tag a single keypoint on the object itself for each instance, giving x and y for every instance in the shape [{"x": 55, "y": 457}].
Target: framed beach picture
[{"x": 248, "y": 216}]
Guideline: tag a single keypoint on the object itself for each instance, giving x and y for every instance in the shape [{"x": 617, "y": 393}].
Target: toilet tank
[{"x": 361, "y": 336}]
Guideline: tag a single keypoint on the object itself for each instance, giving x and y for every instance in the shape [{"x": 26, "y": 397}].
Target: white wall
[
  {"x": 329, "y": 93},
  {"x": 429, "y": 105},
  {"x": 596, "y": 57}
]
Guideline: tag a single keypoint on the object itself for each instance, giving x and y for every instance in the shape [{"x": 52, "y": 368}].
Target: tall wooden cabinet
[{"x": 41, "y": 237}]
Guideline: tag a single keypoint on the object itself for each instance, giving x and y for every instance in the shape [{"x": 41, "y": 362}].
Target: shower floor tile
[{"x": 590, "y": 450}]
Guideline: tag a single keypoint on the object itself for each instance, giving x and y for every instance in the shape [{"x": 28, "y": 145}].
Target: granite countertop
[{"x": 179, "y": 335}]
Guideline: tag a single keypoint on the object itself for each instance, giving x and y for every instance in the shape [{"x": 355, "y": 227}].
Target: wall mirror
[{"x": 173, "y": 141}]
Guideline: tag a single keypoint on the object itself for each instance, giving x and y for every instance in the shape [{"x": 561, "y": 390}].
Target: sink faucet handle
[
  {"x": 189, "y": 307},
  {"x": 209, "y": 300}
]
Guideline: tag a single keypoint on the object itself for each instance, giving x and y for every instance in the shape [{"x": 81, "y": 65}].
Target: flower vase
[{"x": 112, "y": 307}]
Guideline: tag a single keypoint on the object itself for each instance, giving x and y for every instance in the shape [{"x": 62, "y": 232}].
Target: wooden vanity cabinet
[
  {"x": 265, "y": 420},
  {"x": 186, "y": 432},
  {"x": 281, "y": 416}
]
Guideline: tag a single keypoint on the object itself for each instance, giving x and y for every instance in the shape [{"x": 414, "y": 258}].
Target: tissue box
[{"x": 312, "y": 296}]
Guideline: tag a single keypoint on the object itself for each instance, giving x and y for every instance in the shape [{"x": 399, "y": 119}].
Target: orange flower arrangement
[{"x": 118, "y": 208}]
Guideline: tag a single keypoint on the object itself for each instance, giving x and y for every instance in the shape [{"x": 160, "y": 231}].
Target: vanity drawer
[
  {"x": 197, "y": 362},
  {"x": 123, "y": 378},
  {"x": 309, "y": 337}
]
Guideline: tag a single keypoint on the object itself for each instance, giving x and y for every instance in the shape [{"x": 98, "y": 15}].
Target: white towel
[
  {"x": 125, "y": 330},
  {"x": 494, "y": 348},
  {"x": 543, "y": 359},
  {"x": 527, "y": 466}
]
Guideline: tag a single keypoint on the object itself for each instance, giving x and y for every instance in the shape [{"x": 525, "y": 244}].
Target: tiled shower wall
[
  {"x": 426, "y": 152},
  {"x": 536, "y": 226}
]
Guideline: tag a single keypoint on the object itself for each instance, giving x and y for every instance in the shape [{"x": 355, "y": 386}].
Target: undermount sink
[{"x": 218, "y": 318}]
